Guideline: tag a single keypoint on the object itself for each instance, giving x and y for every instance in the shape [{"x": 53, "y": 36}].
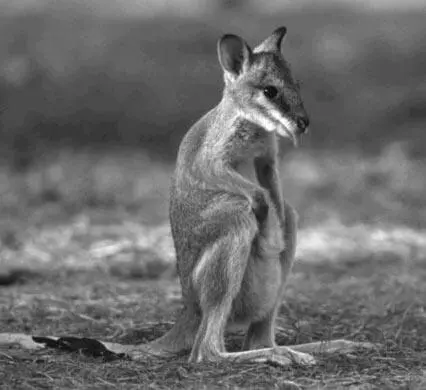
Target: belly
[{"x": 260, "y": 290}]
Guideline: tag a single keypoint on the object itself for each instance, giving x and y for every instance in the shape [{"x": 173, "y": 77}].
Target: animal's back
[{"x": 188, "y": 200}]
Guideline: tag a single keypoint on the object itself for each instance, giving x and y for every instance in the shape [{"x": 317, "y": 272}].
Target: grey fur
[{"x": 234, "y": 234}]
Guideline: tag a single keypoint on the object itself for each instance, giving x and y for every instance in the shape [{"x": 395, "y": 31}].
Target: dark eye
[{"x": 270, "y": 92}]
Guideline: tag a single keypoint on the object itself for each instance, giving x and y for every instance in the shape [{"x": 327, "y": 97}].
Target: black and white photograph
[{"x": 212, "y": 194}]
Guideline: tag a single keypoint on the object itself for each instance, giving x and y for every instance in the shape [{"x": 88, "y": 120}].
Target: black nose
[{"x": 303, "y": 123}]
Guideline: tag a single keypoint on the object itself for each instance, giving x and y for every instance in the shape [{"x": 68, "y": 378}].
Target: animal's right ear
[{"x": 234, "y": 55}]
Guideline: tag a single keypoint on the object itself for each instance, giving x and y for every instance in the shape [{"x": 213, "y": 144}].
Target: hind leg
[
  {"x": 209, "y": 283},
  {"x": 216, "y": 305},
  {"x": 217, "y": 280},
  {"x": 260, "y": 334}
]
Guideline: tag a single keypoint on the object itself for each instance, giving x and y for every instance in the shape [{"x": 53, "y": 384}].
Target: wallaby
[{"x": 233, "y": 233}]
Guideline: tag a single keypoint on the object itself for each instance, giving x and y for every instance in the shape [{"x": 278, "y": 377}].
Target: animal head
[{"x": 260, "y": 83}]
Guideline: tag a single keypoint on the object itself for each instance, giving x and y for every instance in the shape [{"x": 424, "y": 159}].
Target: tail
[{"x": 179, "y": 339}]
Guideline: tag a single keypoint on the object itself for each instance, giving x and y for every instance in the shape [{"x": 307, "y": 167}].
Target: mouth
[
  {"x": 285, "y": 127},
  {"x": 284, "y": 131}
]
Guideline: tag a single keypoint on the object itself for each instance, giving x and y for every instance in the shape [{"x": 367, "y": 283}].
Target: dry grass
[
  {"x": 89, "y": 273},
  {"x": 89, "y": 284},
  {"x": 367, "y": 300}
]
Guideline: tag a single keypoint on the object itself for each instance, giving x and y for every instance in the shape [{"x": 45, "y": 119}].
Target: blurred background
[{"x": 95, "y": 96}]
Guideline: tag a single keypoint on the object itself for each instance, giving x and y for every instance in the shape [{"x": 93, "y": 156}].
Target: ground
[{"x": 91, "y": 284}]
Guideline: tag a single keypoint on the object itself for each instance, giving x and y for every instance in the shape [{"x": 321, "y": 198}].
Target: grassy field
[
  {"x": 96, "y": 259},
  {"x": 377, "y": 299},
  {"x": 91, "y": 112}
]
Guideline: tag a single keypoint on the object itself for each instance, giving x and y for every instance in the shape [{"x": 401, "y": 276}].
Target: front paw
[{"x": 260, "y": 207}]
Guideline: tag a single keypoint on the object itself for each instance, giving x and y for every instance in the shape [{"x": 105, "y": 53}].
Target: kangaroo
[{"x": 234, "y": 234}]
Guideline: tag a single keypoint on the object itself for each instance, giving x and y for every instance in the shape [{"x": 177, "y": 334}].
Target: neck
[{"x": 222, "y": 127}]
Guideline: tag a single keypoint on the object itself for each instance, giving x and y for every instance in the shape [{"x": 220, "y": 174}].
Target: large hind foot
[
  {"x": 290, "y": 356},
  {"x": 285, "y": 361},
  {"x": 342, "y": 346}
]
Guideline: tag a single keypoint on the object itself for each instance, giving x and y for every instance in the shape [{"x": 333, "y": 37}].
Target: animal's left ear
[{"x": 273, "y": 42}]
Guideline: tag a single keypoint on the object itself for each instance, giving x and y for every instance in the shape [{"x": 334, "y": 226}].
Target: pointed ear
[
  {"x": 273, "y": 42},
  {"x": 234, "y": 54}
]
